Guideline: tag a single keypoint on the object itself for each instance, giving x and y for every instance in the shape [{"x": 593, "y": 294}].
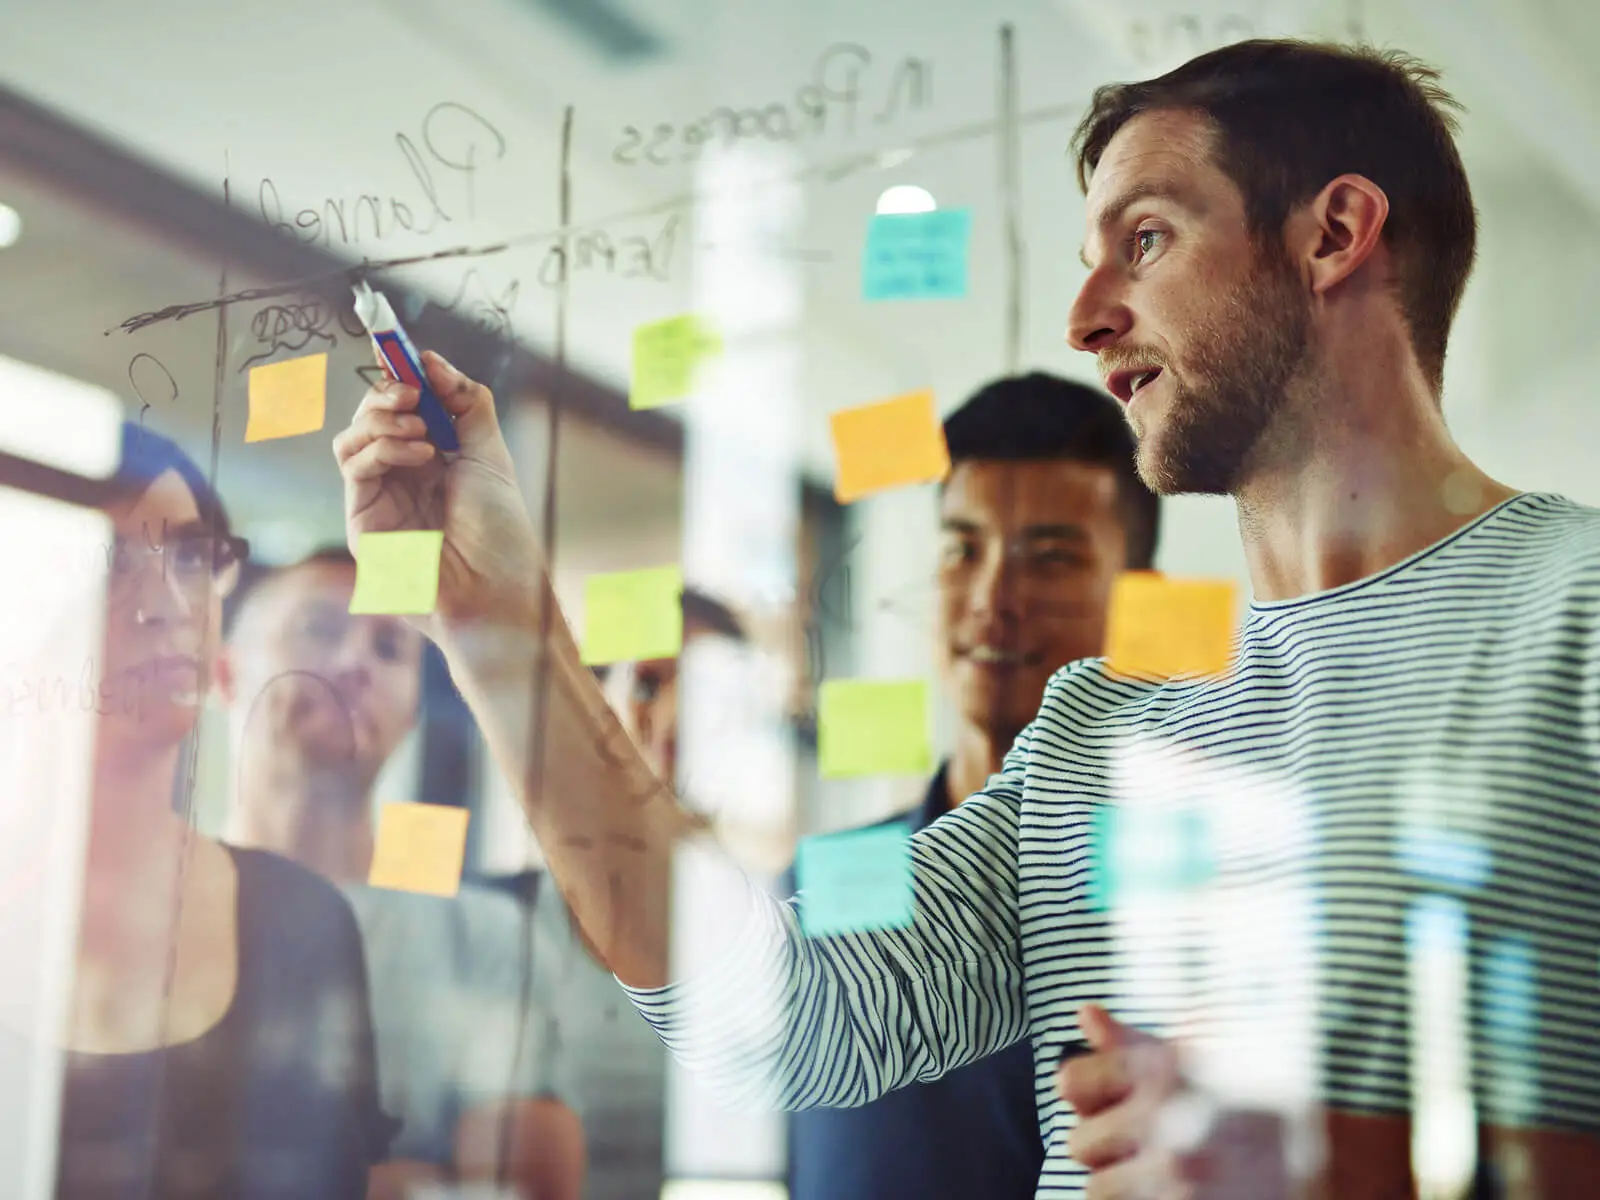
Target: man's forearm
[{"x": 606, "y": 825}]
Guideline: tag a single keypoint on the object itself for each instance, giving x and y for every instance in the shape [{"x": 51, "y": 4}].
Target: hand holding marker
[{"x": 403, "y": 363}]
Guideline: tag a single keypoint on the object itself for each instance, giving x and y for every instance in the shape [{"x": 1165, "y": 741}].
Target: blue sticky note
[
  {"x": 1141, "y": 852},
  {"x": 855, "y": 881},
  {"x": 917, "y": 256},
  {"x": 1444, "y": 856}
]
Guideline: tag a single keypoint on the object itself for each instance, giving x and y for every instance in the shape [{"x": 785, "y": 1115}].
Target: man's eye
[
  {"x": 192, "y": 555},
  {"x": 323, "y": 629},
  {"x": 1144, "y": 240},
  {"x": 1058, "y": 558},
  {"x": 387, "y": 646}
]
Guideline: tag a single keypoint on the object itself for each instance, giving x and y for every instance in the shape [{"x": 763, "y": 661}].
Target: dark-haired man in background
[
  {"x": 1041, "y": 511},
  {"x": 319, "y": 701}
]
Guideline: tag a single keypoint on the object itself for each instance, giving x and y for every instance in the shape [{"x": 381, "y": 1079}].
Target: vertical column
[{"x": 741, "y": 522}]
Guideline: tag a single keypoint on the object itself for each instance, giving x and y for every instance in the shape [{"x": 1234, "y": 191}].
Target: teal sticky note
[
  {"x": 1139, "y": 853},
  {"x": 397, "y": 573},
  {"x": 917, "y": 256},
  {"x": 873, "y": 727},
  {"x": 855, "y": 881}
]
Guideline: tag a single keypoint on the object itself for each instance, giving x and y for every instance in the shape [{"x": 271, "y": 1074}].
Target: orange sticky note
[
  {"x": 419, "y": 848},
  {"x": 1161, "y": 626},
  {"x": 288, "y": 398},
  {"x": 888, "y": 444}
]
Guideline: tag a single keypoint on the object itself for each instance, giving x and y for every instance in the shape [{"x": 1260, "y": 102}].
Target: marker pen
[{"x": 404, "y": 363}]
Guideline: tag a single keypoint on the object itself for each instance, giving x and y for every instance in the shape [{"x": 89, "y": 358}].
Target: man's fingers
[
  {"x": 1095, "y": 1081},
  {"x": 389, "y": 397},
  {"x": 373, "y": 423},
  {"x": 379, "y": 457},
  {"x": 1149, "y": 1176},
  {"x": 1101, "y": 1030},
  {"x": 467, "y": 400},
  {"x": 1111, "y": 1137}
]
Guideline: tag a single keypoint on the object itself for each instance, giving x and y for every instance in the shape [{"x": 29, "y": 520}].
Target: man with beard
[
  {"x": 1279, "y": 235},
  {"x": 1041, "y": 511},
  {"x": 319, "y": 700}
]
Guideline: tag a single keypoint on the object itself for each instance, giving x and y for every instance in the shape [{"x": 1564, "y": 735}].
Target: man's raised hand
[{"x": 490, "y": 569}]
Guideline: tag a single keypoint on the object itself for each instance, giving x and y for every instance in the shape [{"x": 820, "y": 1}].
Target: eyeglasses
[{"x": 196, "y": 562}]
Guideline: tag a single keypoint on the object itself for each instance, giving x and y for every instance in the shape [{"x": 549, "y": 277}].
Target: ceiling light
[
  {"x": 906, "y": 198},
  {"x": 10, "y": 226}
]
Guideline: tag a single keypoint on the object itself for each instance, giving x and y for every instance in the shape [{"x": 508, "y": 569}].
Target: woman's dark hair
[
  {"x": 1040, "y": 417},
  {"x": 1290, "y": 116},
  {"x": 147, "y": 455}
]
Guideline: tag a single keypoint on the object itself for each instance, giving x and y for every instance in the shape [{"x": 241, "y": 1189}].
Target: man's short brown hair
[{"x": 1289, "y": 116}]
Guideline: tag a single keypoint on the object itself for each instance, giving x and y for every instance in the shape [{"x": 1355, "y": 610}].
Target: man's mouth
[
  {"x": 992, "y": 656},
  {"x": 1128, "y": 382}
]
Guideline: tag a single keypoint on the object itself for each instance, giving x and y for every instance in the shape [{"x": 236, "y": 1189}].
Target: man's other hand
[{"x": 1145, "y": 1136}]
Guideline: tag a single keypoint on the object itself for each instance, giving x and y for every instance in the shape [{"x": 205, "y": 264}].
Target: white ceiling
[{"x": 311, "y": 96}]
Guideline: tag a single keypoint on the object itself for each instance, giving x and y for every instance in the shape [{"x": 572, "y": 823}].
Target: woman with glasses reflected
[{"x": 218, "y": 1042}]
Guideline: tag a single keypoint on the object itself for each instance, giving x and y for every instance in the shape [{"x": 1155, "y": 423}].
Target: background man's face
[
  {"x": 651, "y": 707},
  {"x": 323, "y": 677},
  {"x": 1029, "y": 553},
  {"x": 1179, "y": 284}
]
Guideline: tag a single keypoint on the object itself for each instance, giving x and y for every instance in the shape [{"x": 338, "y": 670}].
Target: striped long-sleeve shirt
[{"x": 1420, "y": 742}]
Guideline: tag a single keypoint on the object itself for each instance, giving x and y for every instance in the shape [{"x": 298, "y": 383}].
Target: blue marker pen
[{"x": 404, "y": 363}]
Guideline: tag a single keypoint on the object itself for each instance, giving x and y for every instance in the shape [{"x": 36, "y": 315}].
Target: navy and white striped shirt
[{"x": 1427, "y": 736}]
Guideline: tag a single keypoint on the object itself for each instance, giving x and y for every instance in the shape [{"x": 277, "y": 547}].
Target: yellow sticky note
[
  {"x": 888, "y": 444},
  {"x": 633, "y": 615},
  {"x": 397, "y": 573},
  {"x": 419, "y": 848},
  {"x": 287, "y": 398},
  {"x": 666, "y": 355},
  {"x": 1161, "y": 626},
  {"x": 873, "y": 727}
]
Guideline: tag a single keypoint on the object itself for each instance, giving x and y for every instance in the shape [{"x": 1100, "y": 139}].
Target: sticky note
[
  {"x": 419, "y": 848},
  {"x": 917, "y": 256},
  {"x": 873, "y": 727},
  {"x": 666, "y": 355},
  {"x": 887, "y": 444},
  {"x": 1161, "y": 626},
  {"x": 632, "y": 615},
  {"x": 397, "y": 572},
  {"x": 855, "y": 881},
  {"x": 287, "y": 398},
  {"x": 1140, "y": 852}
]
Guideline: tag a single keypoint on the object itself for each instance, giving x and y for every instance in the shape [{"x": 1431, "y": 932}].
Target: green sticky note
[
  {"x": 666, "y": 355},
  {"x": 397, "y": 573},
  {"x": 632, "y": 615},
  {"x": 917, "y": 256},
  {"x": 855, "y": 881},
  {"x": 1142, "y": 852},
  {"x": 873, "y": 727}
]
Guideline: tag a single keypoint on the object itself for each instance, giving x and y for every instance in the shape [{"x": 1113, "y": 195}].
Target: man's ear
[
  {"x": 1341, "y": 230},
  {"x": 225, "y": 675}
]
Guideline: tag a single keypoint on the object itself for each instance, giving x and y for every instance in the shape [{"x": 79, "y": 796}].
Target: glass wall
[{"x": 276, "y": 911}]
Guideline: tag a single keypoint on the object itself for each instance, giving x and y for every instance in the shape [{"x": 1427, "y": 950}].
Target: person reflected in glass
[
  {"x": 218, "y": 1041},
  {"x": 319, "y": 701}
]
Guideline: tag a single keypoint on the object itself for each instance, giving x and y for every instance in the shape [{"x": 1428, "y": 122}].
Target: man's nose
[
  {"x": 1098, "y": 316},
  {"x": 994, "y": 587},
  {"x": 352, "y": 665}
]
